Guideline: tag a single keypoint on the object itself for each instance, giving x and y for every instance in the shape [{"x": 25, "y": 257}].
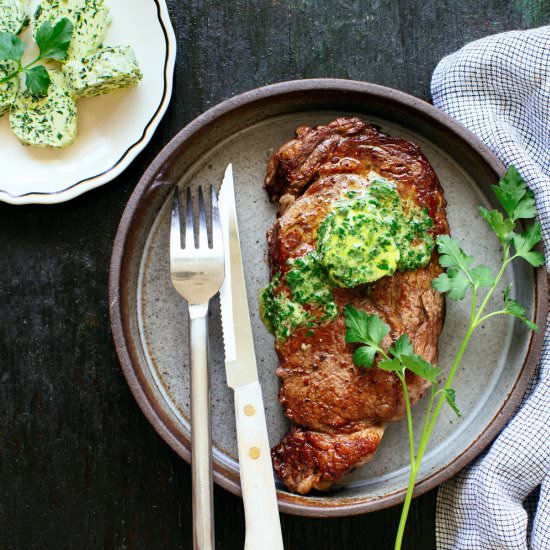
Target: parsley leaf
[
  {"x": 525, "y": 242},
  {"x": 364, "y": 356},
  {"x": 451, "y": 255},
  {"x": 516, "y": 309},
  {"x": 11, "y": 47},
  {"x": 356, "y": 325},
  {"x": 450, "y": 396},
  {"x": 54, "y": 41},
  {"x": 414, "y": 363},
  {"x": 37, "y": 80},
  {"x": 377, "y": 329},
  {"x": 454, "y": 282},
  {"x": 526, "y": 209},
  {"x": 482, "y": 276},
  {"x": 364, "y": 328},
  {"x": 459, "y": 276},
  {"x": 402, "y": 346},
  {"x": 419, "y": 366},
  {"x": 512, "y": 193},
  {"x": 390, "y": 365},
  {"x": 502, "y": 228}
]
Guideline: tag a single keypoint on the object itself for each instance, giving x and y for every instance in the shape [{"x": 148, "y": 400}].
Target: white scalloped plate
[{"x": 113, "y": 128}]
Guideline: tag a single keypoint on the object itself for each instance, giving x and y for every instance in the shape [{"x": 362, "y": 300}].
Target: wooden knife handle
[{"x": 263, "y": 526}]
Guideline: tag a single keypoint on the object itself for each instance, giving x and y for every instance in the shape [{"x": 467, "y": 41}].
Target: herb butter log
[
  {"x": 359, "y": 212},
  {"x": 14, "y": 15},
  {"x": 50, "y": 121},
  {"x": 91, "y": 20},
  {"x": 9, "y": 89},
  {"x": 109, "y": 69}
]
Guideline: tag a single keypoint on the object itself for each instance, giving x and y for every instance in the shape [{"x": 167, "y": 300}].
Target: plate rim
[
  {"x": 77, "y": 188},
  {"x": 141, "y": 199}
]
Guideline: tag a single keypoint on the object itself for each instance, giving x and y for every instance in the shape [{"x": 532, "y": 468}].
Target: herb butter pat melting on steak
[{"x": 359, "y": 212}]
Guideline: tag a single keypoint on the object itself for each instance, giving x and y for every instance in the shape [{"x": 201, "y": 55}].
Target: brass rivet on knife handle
[
  {"x": 254, "y": 453},
  {"x": 249, "y": 410}
]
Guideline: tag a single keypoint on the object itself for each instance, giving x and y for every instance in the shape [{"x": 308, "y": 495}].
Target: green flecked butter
[
  {"x": 90, "y": 30},
  {"x": 366, "y": 236},
  {"x": 54, "y": 10},
  {"x": 310, "y": 284},
  {"x": 8, "y": 90},
  {"x": 109, "y": 69},
  {"x": 49, "y": 121},
  {"x": 91, "y": 20},
  {"x": 373, "y": 234},
  {"x": 280, "y": 314},
  {"x": 14, "y": 15}
]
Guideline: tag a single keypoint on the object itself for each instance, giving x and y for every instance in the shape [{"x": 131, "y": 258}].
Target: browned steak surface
[{"x": 339, "y": 410}]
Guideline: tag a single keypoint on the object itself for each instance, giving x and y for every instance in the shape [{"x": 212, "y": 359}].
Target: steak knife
[{"x": 263, "y": 527}]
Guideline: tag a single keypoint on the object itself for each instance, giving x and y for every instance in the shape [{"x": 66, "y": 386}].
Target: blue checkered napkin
[{"x": 499, "y": 87}]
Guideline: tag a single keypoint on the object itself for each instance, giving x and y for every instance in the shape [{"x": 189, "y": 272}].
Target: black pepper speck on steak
[{"x": 339, "y": 410}]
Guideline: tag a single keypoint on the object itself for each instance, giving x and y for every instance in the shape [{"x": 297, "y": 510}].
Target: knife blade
[
  {"x": 263, "y": 527},
  {"x": 240, "y": 358}
]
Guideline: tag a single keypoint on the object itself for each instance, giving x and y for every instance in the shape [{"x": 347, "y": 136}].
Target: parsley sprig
[
  {"x": 518, "y": 203},
  {"x": 53, "y": 42},
  {"x": 462, "y": 276},
  {"x": 370, "y": 330}
]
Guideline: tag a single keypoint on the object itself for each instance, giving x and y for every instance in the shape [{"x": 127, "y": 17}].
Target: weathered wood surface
[{"x": 80, "y": 467}]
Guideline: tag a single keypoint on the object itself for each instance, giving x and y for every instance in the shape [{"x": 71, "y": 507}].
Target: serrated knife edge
[{"x": 240, "y": 358}]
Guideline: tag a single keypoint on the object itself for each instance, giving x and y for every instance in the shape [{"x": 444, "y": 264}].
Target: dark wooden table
[{"x": 80, "y": 467}]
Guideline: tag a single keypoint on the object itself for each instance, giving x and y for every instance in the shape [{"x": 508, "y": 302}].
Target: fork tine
[
  {"x": 175, "y": 227},
  {"x": 203, "y": 230},
  {"x": 189, "y": 229},
  {"x": 217, "y": 240}
]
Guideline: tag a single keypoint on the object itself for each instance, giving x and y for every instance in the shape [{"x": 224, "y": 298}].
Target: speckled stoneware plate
[
  {"x": 112, "y": 129},
  {"x": 149, "y": 319}
]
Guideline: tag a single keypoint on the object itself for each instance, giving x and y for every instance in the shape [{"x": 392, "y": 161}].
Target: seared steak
[{"x": 338, "y": 409}]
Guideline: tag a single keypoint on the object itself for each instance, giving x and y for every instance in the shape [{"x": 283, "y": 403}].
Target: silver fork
[{"x": 197, "y": 274}]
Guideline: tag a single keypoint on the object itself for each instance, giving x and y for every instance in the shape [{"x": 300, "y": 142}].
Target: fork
[{"x": 197, "y": 274}]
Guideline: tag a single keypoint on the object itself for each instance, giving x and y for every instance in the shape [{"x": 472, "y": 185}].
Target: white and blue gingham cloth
[{"x": 499, "y": 87}]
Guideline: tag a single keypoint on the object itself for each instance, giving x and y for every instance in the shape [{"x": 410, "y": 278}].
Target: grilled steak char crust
[{"x": 338, "y": 410}]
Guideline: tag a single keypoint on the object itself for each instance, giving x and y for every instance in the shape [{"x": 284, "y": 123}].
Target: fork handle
[
  {"x": 263, "y": 527},
  {"x": 201, "y": 432}
]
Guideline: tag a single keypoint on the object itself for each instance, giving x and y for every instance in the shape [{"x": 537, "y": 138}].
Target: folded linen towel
[{"x": 499, "y": 87}]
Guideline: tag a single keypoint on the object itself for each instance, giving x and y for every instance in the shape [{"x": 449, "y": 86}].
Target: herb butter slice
[
  {"x": 109, "y": 69},
  {"x": 50, "y": 121},
  {"x": 370, "y": 235},
  {"x": 14, "y": 15},
  {"x": 8, "y": 90},
  {"x": 91, "y": 20}
]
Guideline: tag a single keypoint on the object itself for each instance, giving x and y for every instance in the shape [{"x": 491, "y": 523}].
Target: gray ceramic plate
[{"x": 149, "y": 319}]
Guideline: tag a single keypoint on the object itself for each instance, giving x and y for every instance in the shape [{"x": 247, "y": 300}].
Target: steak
[{"x": 338, "y": 410}]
